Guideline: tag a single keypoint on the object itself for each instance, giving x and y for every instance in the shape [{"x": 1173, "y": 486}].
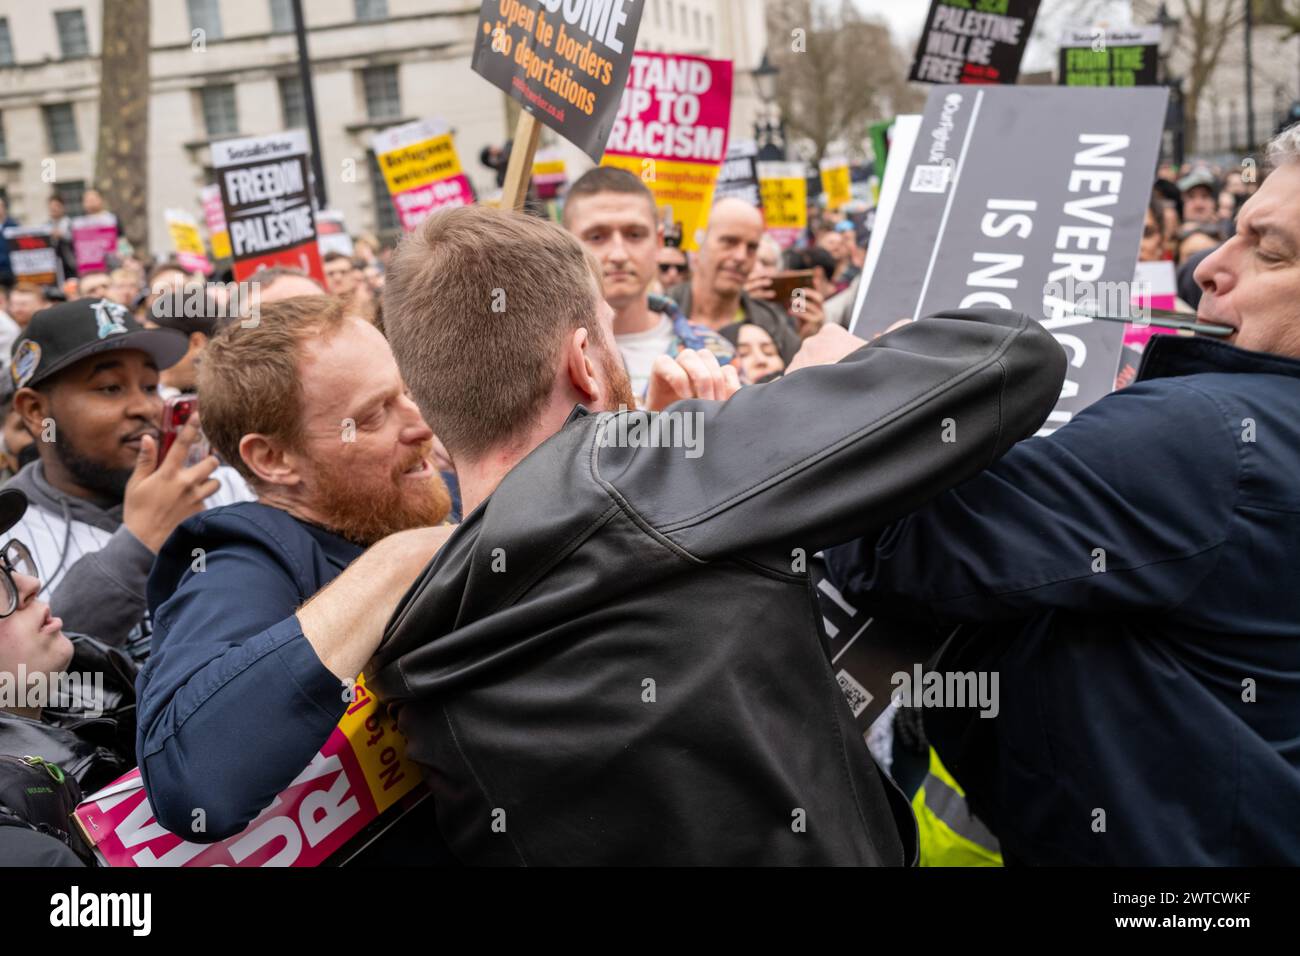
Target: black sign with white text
[{"x": 974, "y": 41}]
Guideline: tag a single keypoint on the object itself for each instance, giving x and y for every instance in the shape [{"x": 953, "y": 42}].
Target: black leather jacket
[{"x": 616, "y": 660}]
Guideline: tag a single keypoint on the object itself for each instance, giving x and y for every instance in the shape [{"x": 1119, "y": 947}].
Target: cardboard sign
[
  {"x": 738, "y": 177},
  {"x": 1110, "y": 57},
  {"x": 332, "y": 233},
  {"x": 187, "y": 244},
  {"x": 671, "y": 132},
  {"x": 214, "y": 214},
  {"x": 267, "y": 203},
  {"x": 974, "y": 41},
  {"x": 359, "y": 782},
  {"x": 565, "y": 61},
  {"x": 32, "y": 255},
  {"x": 784, "y": 188},
  {"x": 94, "y": 239},
  {"x": 837, "y": 182},
  {"x": 421, "y": 169},
  {"x": 1026, "y": 198}
]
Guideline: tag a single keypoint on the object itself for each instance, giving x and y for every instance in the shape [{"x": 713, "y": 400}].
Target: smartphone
[
  {"x": 784, "y": 285},
  {"x": 176, "y": 412}
]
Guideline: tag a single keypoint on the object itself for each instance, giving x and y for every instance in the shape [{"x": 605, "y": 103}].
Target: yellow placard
[
  {"x": 785, "y": 203},
  {"x": 549, "y": 167},
  {"x": 221, "y": 245},
  {"x": 420, "y": 164},
  {"x": 837, "y": 186},
  {"x": 186, "y": 238},
  {"x": 379, "y": 747},
  {"x": 687, "y": 188}
]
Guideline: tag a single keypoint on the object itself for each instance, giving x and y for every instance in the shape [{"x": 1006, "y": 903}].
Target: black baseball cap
[{"x": 66, "y": 333}]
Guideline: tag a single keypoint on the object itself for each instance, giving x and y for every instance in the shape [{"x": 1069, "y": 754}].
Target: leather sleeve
[{"x": 830, "y": 453}]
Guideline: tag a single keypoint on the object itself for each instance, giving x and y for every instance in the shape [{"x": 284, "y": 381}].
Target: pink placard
[
  {"x": 674, "y": 107},
  {"x": 414, "y": 205},
  {"x": 325, "y": 806},
  {"x": 94, "y": 239}
]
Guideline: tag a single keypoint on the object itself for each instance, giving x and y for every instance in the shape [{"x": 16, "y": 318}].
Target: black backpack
[{"x": 39, "y": 796}]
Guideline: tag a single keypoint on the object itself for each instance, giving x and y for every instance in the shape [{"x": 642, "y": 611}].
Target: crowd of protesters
[{"x": 388, "y": 473}]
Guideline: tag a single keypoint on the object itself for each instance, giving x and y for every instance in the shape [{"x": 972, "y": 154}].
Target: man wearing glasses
[{"x": 613, "y": 214}]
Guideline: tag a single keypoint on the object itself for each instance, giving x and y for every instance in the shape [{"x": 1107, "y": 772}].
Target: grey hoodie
[{"x": 92, "y": 568}]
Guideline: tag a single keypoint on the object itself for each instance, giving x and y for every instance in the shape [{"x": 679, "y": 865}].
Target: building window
[
  {"x": 654, "y": 7},
  {"x": 4, "y": 143},
  {"x": 708, "y": 22},
  {"x": 70, "y": 192},
  {"x": 385, "y": 214},
  {"x": 6, "y": 43},
  {"x": 205, "y": 15},
  {"x": 372, "y": 9},
  {"x": 282, "y": 16},
  {"x": 383, "y": 97},
  {"x": 672, "y": 25},
  {"x": 71, "y": 25},
  {"x": 698, "y": 32},
  {"x": 220, "y": 117},
  {"x": 61, "y": 128},
  {"x": 293, "y": 107}
]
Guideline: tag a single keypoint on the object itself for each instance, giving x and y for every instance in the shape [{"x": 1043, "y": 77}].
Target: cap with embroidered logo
[{"x": 66, "y": 333}]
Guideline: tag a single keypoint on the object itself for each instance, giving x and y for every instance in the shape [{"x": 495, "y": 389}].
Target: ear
[
  {"x": 582, "y": 372},
  {"x": 33, "y": 408},
  {"x": 268, "y": 461},
  {"x": 198, "y": 341},
  {"x": 659, "y": 236}
]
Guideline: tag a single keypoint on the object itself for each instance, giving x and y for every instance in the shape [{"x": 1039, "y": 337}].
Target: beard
[
  {"x": 364, "y": 507},
  {"x": 108, "y": 484},
  {"x": 618, "y": 387}
]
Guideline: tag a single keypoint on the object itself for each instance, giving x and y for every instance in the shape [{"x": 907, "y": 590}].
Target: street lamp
[
  {"x": 1174, "y": 118},
  {"x": 768, "y": 131}
]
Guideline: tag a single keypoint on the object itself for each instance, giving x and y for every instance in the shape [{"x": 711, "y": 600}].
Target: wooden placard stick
[{"x": 520, "y": 169}]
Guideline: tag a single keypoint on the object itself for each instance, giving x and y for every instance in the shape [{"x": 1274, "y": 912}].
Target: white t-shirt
[{"x": 640, "y": 349}]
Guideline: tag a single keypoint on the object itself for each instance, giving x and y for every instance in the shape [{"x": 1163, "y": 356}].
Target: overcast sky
[{"x": 906, "y": 18}]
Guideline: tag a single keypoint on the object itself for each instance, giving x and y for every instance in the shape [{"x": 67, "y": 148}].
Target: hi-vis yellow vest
[{"x": 950, "y": 834}]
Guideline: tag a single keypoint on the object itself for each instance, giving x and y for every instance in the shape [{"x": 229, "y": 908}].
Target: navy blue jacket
[
  {"x": 1159, "y": 697},
  {"x": 233, "y": 701}
]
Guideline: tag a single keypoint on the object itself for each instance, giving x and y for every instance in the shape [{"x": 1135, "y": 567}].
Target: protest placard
[
  {"x": 266, "y": 198},
  {"x": 1097, "y": 57},
  {"x": 421, "y": 169},
  {"x": 974, "y": 41},
  {"x": 332, "y": 233},
  {"x": 214, "y": 215},
  {"x": 32, "y": 255},
  {"x": 1027, "y": 198},
  {"x": 187, "y": 243},
  {"x": 671, "y": 131},
  {"x": 739, "y": 174},
  {"x": 94, "y": 240},
  {"x": 784, "y": 188},
  {"x": 837, "y": 183},
  {"x": 549, "y": 173},
  {"x": 359, "y": 782},
  {"x": 565, "y": 61}
]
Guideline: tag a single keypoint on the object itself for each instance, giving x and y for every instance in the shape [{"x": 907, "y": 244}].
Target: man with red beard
[{"x": 251, "y": 668}]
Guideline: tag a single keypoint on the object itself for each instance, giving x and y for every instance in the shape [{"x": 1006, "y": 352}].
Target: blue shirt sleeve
[
  {"x": 1127, "y": 507},
  {"x": 234, "y": 701}
]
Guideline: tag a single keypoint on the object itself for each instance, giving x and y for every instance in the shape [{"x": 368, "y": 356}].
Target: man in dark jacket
[
  {"x": 1131, "y": 579},
  {"x": 715, "y": 297},
  {"x": 615, "y": 659},
  {"x": 245, "y": 683}
]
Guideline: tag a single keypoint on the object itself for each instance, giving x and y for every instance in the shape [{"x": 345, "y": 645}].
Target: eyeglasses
[
  {"x": 15, "y": 558},
  {"x": 667, "y": 267}
]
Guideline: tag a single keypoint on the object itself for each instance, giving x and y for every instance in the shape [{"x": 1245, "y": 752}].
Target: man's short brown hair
[
  {"x": 477, "y": 304},
  {"x": 250, "y": 381},
  {"x": 607, "y": 179}
]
